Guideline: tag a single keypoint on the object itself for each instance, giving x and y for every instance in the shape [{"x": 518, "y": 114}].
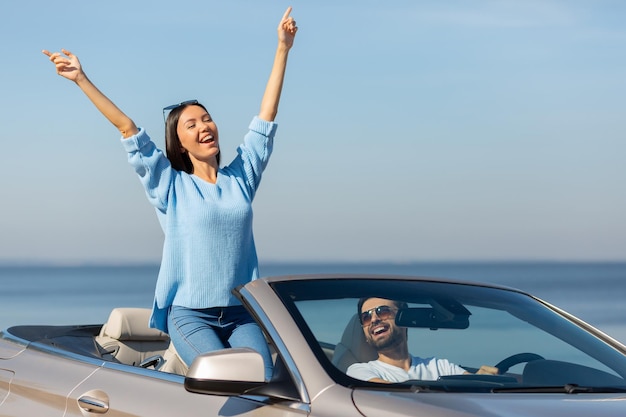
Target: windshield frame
[{"x": 524, "y": 306}]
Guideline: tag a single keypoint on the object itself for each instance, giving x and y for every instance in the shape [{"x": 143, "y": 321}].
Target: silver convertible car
[{"x": 543, "y": 361}]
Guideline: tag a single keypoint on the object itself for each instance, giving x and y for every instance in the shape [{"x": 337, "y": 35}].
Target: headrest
[
  {"x": 353, "y": 347},
  {"x": 354, "y": 339},
  {"x": 131, "y": 324}
]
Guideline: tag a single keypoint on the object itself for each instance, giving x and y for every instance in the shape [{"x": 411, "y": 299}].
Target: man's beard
[{"x": 394, "y": 339}]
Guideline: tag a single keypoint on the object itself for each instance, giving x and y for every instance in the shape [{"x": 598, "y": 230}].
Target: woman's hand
[
  {"x": 286, "y": 33},
  {"x": 67, "y": 65},
  {"x": 488, "y": 370},
  {"x": 287, "y": 29}
]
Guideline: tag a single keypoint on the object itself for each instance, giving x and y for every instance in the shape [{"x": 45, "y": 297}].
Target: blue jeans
[{"x": 196, "y": 331}]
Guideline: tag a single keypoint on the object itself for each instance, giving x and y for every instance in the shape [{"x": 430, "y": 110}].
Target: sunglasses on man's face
[
  {"x": 382, "y": 312},
  {"x": 168, "y": 109}
]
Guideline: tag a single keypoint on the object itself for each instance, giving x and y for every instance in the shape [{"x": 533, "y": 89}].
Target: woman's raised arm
[
  {"x": 68, "y": 66},
  {"x": 286, "y": 34}
]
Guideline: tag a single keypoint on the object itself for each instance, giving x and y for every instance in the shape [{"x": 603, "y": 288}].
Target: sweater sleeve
[
  {"x": 254, "y": 153},
  {"x": 152, "y": 167}
]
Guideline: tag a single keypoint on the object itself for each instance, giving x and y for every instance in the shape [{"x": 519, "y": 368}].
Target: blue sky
[{"x": 408, "y": 130}]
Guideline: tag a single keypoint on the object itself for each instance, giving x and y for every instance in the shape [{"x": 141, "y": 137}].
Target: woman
[{"x": 205, "y": 211}]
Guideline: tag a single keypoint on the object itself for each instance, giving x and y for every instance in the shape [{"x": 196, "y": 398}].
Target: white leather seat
[
  {"x": 126, "y": 337},
  {"x": 173, "y": 363}
]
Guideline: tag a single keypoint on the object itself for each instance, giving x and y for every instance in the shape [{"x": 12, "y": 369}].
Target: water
[{"x": 86, "y": 294}]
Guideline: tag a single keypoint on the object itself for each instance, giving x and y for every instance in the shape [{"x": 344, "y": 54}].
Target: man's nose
[{"x": 375, "y": 317}]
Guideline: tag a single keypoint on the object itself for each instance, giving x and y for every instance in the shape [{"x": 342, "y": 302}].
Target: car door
[
  {"x": 121, "y": 390},
  {"x": 36, "y": 383}
]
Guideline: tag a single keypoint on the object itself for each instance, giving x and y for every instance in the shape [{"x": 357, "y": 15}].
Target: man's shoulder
[
  {"x": 416, "y": 360},
  {"x": 376, "y": 366},
  {"x": 363, "y": 365}
]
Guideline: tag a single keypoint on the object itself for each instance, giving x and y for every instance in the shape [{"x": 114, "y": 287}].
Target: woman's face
[{"x": 198, "y": 134}]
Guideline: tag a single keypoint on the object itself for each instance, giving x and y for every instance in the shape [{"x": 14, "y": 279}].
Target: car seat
[
  {"x": 172, "y": 362},
  {"x": 353, "y": 347},
  {"x": 126, "y": 337}
]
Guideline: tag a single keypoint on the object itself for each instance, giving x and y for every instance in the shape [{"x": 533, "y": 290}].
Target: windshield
[{"x": 427, "y": 334}]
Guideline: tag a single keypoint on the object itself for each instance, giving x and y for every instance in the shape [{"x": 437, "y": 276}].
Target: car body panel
[
  {"x": 10, "y": 350},
  {"x": 41, "y": 383},
  {"x": 153, "y": 396},
  {"x": 486, "y": 405}
]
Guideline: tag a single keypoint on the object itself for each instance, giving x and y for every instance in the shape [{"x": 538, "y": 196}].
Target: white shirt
[{"x": 429, "y": 369}]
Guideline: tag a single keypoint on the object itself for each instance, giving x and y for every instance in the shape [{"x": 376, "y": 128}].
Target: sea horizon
[
  {"x": 79, "y": 293},
  {"x": 122, "y": 263}
]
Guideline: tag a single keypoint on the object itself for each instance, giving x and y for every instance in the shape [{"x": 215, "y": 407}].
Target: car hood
[{"x": 373, "y": 403}]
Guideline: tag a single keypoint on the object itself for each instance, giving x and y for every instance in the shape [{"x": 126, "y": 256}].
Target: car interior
[
  {"x": 352, "y": 348},
  {"x": 125, "y": 338}
]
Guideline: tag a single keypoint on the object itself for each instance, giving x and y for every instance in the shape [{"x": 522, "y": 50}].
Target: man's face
[{"x": 382, "y": 332}]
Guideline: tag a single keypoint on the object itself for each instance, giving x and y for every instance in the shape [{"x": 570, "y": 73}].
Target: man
[{"x": 395, "y": 363}]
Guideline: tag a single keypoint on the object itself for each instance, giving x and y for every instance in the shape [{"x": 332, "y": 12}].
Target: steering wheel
[{"x": 504, "y": 365}]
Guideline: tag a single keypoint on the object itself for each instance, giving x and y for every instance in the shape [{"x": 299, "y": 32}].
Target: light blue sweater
[{"x": 209, "y": 247}]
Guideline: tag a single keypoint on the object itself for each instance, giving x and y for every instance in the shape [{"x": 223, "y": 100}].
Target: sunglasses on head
[
  {"x": 168, "y": 109},
  {"x": 383, "y": 313}
]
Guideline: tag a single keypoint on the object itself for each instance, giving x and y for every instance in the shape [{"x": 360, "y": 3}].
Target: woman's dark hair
[{"x": 180, "y": 160}]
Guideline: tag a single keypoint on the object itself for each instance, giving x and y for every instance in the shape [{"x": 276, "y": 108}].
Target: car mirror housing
[
  {"x": 232, "y": 371},
  {"x": 431, "y": 318}
]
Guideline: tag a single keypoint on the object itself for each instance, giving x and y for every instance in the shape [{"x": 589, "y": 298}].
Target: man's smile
[{"x": 379, "y": 329}]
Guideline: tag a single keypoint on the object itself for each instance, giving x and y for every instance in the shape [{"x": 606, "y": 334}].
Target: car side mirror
[{"x": 232, "y": 371}]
